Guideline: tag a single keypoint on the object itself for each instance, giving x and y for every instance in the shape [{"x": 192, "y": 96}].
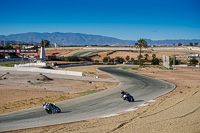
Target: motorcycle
[
  {"x": 52, "y": 108},
  {"x": 128, "y": 97}
]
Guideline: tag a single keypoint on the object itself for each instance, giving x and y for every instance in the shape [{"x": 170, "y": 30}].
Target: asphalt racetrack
[{"x": 91, "y": 106}]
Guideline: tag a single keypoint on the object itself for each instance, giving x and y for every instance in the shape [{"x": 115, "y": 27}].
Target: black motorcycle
[
  {"x": 52, "y": 108},
  {"x": 128, "y": 97}
]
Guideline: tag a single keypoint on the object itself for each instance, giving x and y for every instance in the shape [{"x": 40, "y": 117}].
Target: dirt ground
[
  {"x": 175, "y": 112},
  {"x": 134, "y": 55},
  {"x": 25, "y": 91}
]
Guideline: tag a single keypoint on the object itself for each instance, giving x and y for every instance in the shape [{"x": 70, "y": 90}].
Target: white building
[
  {"x": 42, "y": 53},
  {"x": 56, "y": 45}
]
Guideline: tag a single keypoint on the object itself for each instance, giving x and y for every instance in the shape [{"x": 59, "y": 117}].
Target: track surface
[{"x": 96, "y": 105}]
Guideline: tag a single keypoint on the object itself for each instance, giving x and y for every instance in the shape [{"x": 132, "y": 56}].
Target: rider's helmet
[
  {"x": 44, "y": 103},
  {"x": 122, "y": 92}
]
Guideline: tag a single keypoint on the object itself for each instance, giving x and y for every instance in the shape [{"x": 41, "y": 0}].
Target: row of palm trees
[
  {"x": 141, "y": 44},
  {"x": 139, "y": 57}
]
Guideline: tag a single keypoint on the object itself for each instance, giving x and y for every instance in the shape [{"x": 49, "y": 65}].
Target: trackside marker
[
  {"x": 109, "y": 115},
  {"x": 124, "y": 112},
  {"x": 128, "y": 110},
  {"x": 142, "y": 105},
  {"x": 151, "y": 101},
  {"x": 132, "y": 109}
]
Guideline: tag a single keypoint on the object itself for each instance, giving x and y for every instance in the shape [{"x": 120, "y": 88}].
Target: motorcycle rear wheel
[{"x": 59, "y": 110}]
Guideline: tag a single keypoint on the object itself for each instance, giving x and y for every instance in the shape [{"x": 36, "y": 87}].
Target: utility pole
[
  {"x": 4, "y": 41},
  {"x": 174, "y": 57}
]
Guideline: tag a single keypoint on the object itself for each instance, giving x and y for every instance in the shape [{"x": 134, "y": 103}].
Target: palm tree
[
  {"x": 132, "y": 59},
  {"x": 141, "y": 43},
  {"x": 153, "y": 56},
  {"x": 127, "y": 58},
  {"x": 146, "y": 56}
]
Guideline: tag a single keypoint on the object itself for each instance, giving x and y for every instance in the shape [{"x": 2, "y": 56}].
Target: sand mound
[
  {"x": 2, "y": 77},
  {"x": 43, "y": 78}
]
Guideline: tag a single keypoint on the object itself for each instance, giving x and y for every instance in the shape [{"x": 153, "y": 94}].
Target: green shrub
[
  {"x": 8, "y": 64},
  {"x": 126, "y": 68},
  {"x": 164, "y": 68},
  {"x": 73, "y": 58},
  {"x": 155, "y": 61},
  {"x": 135, "y": 68}
]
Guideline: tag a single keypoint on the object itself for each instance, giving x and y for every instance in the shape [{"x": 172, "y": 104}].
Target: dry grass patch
[{"x": 33, "y": 102}]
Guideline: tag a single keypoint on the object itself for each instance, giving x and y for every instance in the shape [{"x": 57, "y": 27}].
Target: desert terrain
[{"x": 175, "y": 112}]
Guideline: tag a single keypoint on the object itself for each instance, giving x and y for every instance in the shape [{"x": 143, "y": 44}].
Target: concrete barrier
[
  {"x": 41, "y": 70},
  {"x": 71, "y": 65},
  {"x": 2, "y": 68},
  {"x": 194, "y": 48},
  {"x": 32, "y": 64},
  {"x": 74, "y": 73},
  {"x": 23, "y": 69},
  {"x": 179, "y": 65}
]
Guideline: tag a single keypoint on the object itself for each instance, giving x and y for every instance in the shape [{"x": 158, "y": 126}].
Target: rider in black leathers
[
  {"x": 124, "y": 93},
  {"x": 49, "y": 106}
]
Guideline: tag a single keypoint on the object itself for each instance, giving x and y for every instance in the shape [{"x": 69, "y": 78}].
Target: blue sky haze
[{"x": 123, "y": 19}]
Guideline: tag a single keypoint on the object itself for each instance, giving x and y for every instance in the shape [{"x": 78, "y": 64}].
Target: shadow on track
[
  {"x": 65, "y": 111},
  {"x": 139, "y": 101}
]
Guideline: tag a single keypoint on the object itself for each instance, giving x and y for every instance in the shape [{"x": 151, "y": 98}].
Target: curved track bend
[{"x": 95, "y": 105}]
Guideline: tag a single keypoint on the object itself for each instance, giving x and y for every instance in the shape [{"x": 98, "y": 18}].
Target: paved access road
[{"x": 91, "y": 106}]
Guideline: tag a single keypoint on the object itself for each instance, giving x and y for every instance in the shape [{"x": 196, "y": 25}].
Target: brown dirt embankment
[{"x": 26, "y": 90}]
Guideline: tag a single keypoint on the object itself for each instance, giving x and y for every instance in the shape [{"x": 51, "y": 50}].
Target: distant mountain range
[{"x": 69, "y": 39}]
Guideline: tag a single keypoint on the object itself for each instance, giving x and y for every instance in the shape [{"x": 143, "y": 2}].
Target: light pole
[
  {"x": 4, "y": 41},
  {"x": 174, "y": 57},
  {"x": 63, "y": 42}
]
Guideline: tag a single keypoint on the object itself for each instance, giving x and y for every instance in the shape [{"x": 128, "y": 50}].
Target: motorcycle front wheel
[{"x": 48, "y": 111}]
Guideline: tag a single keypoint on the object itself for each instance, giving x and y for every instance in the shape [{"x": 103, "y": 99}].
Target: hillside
[{"x": 67, "y": 39}]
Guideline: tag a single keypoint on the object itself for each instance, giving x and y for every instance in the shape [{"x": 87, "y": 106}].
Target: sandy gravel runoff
[{"x": 175, "y": 112}]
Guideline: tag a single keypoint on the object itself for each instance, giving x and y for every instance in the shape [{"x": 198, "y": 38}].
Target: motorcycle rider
[
  {"x": 124, "y": 93},
  {"x": 49, "y": 106}
]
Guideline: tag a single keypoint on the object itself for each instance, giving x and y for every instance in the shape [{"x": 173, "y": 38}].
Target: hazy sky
[{"x": 123, "y": 19}]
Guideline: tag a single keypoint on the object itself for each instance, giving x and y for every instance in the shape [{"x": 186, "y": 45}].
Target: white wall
[{"x": 42, "y": 70}]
